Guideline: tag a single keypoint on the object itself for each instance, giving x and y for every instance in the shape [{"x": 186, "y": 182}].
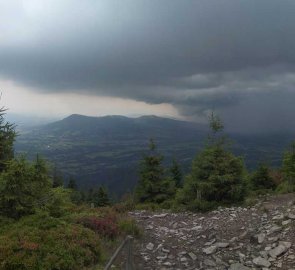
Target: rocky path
[{"x": 237, "y": 238}]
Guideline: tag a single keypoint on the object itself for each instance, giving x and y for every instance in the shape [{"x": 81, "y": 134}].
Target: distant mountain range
[
  {"x": 107, "y": 150},
  {"x": 26, "y": 123}
]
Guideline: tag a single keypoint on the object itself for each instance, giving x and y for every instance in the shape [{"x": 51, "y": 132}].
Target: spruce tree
[
  {"x": 288, "y": 166},
  {"x": 176, "y": 173},
  {"x": 24, "y": 187},
  {"x": 72, "y": 184},
  {"x": 153, "y": 186},
  {"x": 101, "y": 197},
  {"x": 57, "y": 178},
  {"x": 261, "y": 178},
  {"x": 217, "y": 175},
  {"x": 7, "y": 137}
]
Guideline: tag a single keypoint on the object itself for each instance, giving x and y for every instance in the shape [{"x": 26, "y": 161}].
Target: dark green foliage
[
  {"x": 57, "y": 178},
  {"x": 176, "y": 173},
  {"x": 288, "y": 166},
  {"x": 90, "y": 195},
  {"x": 261, "y": 178},
  {"x": 288, "y": 171},
  {"x": 72, "y": 184},
  {"x": 38, "y": 223},
  {"x": 153, "y": 185},
  {"x": 59, "y": 203},
  {"x": 24, "y": 187},
  {"x": 7, "y": 137},
  {"x": 217, "y": 176},
  {"x": 215, "y": 123},
  {"x": 98, "y": 197},
  {"x": 101, "y": 197}
]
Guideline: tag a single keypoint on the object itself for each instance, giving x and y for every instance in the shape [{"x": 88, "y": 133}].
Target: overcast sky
[{"x": 177, "y": 58}]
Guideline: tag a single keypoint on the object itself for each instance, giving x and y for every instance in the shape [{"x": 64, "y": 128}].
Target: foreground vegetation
[
  {"x": 46, "y": 226},
  {"x": 217, "y": 177}
]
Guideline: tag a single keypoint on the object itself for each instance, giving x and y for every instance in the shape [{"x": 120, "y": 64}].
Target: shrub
[
  {"x": 43, "y": 242},
  {"x": 7, "y": 137},
  {"x": 105, "y": 226},
  {"x": 261, "y": 179},
  {"x": 24, "y": 187},
  {"x": 285, "y": 187},
  {"x": 288, "y": 166},
  {"x": 129, "y": 227},
  {"x": 201, "y": 205},
  {"x": 59, "y": 202}
]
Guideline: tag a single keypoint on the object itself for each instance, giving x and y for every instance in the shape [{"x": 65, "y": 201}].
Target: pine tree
[
  {"x": 176, "y": 173},
  {"x": 7, "y": 137},
  {"x": 24, "y": 187},
  {"x": 153, "y": 186},
  {"x": 288, "y": 166},
  {"x": 261, "y": 178},
  {"x": 72, "y": 184},
  {"x": 90, "y": 195},
  {"x": 101, "y": 197},
  {"x": 57, "y": 178},
  {"x": 217, "y": 176}
]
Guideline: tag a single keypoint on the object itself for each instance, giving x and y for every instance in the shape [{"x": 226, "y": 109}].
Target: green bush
[
  {"x": 24, "y": 187},
  {"x": 201, "y": 205},
  {"x": 261, "y": 179},
  {"x": 288, "y": 166},
  {"x": 7, "y": 137},
  {"x": 44, "y": 242},
  {"x": 285, "y": 187},
  {"x": 128, "y": 226},
  {"x": 59, "y": 202}
]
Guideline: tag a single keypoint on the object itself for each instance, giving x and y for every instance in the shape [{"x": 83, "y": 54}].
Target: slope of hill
[{"x": 107, "y": 150}]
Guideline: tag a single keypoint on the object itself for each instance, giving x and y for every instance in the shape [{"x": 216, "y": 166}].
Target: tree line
[{"x": 217, "y": 176}]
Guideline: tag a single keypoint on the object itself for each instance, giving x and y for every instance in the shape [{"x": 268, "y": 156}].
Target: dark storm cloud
[{"x": 196, "y": 55}]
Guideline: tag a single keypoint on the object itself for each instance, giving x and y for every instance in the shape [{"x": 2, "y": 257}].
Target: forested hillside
[{"x": 106, "y": 150}]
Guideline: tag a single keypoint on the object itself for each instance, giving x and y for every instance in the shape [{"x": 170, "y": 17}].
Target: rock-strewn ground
[{"x": 237, "y": 238}]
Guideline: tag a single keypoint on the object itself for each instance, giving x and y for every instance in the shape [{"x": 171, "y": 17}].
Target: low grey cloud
[{"x": 233, "y": 56}]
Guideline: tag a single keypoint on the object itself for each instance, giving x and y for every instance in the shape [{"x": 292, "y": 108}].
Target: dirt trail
[{"x": 237, "y": 238}]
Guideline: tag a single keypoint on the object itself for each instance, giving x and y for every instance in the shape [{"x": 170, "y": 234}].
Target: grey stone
[
  {"x": 286, "y": 222},
  {"x": 261, "y": 238},
  {"x": 161, "y": 258},
  {"x": 192, "y": 255},
  {"x": 167, "y": 264},
  {"x": 209, "y": 262},
  {"x": 150, "y": 246},
  {"x": 280, "y": 249},
  {"x": 165, "y": 250},
  {"x": 196, "y": 228},
  {"x": 259, "y": 261},
  {"x": 160, "y": 215},
  {"x": 278, "y": 217},
  {"x": 210, "y": 242},
  {"x": 210, "y": 250},
  {"x": 221, "y": 244},
  {"x": 274, "y": 229}
]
